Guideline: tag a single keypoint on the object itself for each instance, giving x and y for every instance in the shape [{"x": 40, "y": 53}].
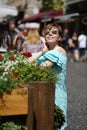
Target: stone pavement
[{"x": 77, "y": 95}]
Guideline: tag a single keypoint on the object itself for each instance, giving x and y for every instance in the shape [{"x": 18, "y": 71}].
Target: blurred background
[
  {"x": 68, "y": 13},
  {"x": 71, "y": 15}
]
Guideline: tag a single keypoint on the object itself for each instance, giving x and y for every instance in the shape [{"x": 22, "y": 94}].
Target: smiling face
[{"x": 52, "y": 35}]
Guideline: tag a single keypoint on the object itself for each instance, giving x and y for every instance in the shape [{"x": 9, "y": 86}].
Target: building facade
[
  {"x": 29, "y": 7},
  {"x": 17, "y": 3},
  {"x": 78, "y": 6},
  {"x": 25, "y": 8}
]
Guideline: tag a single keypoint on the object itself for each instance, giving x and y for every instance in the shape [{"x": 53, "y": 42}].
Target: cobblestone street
[{"x": 77, "y": 95}]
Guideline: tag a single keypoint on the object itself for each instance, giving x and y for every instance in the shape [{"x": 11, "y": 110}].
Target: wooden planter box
[
  {"x": 15, "y": 103},
  {"x": 36, "y": 100},
  {"x": 41, "y": 106}
]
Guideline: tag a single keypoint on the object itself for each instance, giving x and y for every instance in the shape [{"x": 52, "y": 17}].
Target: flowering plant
[
  {"x": 11, "y": 59},
  {"x": 14, "y": 69},
  {"x": 7, "y": 62}
]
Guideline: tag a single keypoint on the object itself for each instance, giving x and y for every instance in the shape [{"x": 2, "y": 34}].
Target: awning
[
  {"x": 69, "y": 2},
  {"x": 66, "y": 17},
  {"x": 43, "y": 16},
  {"x": 7, "y": 11}
]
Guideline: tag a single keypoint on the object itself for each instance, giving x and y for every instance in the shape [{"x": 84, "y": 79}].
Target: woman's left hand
[{"x": 45, "y": 49}]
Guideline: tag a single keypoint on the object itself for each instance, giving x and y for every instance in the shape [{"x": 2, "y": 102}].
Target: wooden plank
[
  {"x": 43, "y": 106},
  {"x": 15, "y": 103},
  {"x": 30, "y": 108}
]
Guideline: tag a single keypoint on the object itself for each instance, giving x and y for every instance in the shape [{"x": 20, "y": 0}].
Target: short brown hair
[{"x": 52, "y": 25}]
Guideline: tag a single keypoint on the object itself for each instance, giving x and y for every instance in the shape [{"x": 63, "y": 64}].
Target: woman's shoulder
[{"x": 61, "y": 50}]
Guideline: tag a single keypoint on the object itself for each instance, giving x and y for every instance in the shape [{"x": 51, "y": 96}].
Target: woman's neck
[{"x": 53, "y": 46}]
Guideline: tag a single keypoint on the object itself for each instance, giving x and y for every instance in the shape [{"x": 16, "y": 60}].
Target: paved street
[{"x": 77, "y": 95}]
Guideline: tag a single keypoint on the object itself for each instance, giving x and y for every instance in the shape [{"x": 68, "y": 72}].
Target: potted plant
[
  {"x": 15, "y": 70},
  {"x": 10, "y": 94},
  {"x": 37, "y": 89}
]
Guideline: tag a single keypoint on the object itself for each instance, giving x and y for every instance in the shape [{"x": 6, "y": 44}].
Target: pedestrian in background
[
  {"x": 73, "y": 43},
  {"x": 82, "y": 45},
  {"x": 34, "y": 42},
  {"x": 13, "y": 31},
  {"x": 65, "y": 38},
  {"x": 21, "y": 37},
  {"x": 5, "y": 39}
]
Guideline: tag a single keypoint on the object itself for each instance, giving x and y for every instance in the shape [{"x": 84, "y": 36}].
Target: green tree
[{"x": 52, "y": 4}]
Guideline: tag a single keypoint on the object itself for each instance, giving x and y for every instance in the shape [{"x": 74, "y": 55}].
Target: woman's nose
[{"x": 50, "y": 33}]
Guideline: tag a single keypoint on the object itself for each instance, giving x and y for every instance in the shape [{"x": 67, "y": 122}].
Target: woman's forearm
[{"x": 35, "y": 57}]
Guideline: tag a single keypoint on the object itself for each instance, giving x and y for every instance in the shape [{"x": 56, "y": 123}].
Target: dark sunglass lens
[
  {"x": 47, "y": 32},
  {"x": 54, "y": 32}
]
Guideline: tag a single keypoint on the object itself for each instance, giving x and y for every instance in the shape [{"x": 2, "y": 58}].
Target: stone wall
[
  {"x": 30, "y": 7},
  {"x": 33, "y": 7},
  {"x": 16, "y": 3}
]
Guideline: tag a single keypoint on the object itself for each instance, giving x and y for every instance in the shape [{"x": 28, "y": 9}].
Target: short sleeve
[{"x": 56, "y": 57}]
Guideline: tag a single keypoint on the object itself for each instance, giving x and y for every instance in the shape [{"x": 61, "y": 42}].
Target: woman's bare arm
[{"x": 37, "y": 55}]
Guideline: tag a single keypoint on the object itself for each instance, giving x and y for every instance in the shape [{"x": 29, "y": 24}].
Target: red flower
[
  {"x": 12, "y": 58},
  {"x": 15, "y": 75},
  {"x": 28, "y": 54},
  {"x": 1, "y": 57}
]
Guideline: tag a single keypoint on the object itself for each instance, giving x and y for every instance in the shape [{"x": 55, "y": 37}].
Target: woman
[
  {"x": 5, "y": 39},
  {"x": 74, "y": 46},
  {"x": 55, "y": 56},
  {"x": 34, "y": 42},
  {"x": 17, "y": 43}
]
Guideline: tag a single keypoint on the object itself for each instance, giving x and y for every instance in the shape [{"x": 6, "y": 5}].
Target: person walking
[
  {"x": 13, "y": 31},
  {"x": 54, "y": 56},
  {"x": 82, "y": 45},
  {"x": 5, "y": 39},
  {"x": 73, "y": 43},
  {"x": 65, "y": 38}
]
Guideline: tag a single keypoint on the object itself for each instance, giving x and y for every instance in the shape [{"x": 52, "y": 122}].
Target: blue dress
[{"x": 60, "y": 62}]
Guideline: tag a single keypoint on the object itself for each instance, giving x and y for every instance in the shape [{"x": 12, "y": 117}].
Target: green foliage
[
  {"x": 57, "y": 5},
  {"x": 20, "y": 71},
  {"x": 16, "y": 70},
  {"x": 59, "y": 117},
  {"x": 33, "y": 72},
  {"x": 10, "y": 126},
  {"x": 6, "y": 85},
  {"x": 51, "y": 4}
]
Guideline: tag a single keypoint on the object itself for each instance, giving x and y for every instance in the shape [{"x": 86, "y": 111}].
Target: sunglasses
[{"x": 52, "y": 31}]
